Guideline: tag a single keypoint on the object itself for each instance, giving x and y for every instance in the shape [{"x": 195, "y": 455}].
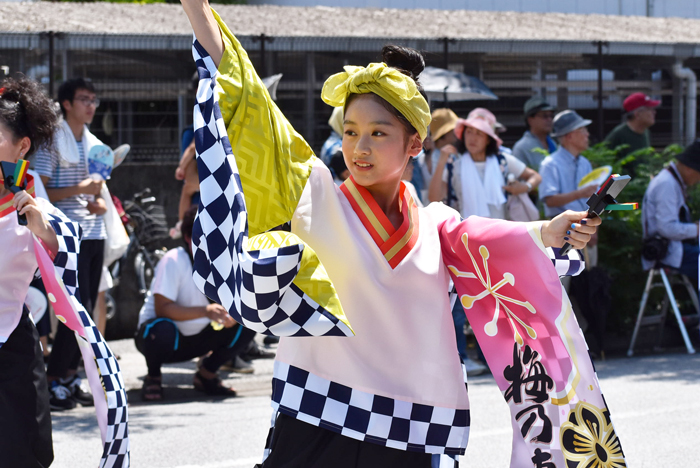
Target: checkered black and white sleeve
[
  {"x": 256, "y": 287},
  {"x": 569, "y": 265},
  {"x": 115, "y": 452}
]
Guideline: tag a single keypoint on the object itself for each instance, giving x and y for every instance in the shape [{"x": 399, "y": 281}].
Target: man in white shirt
[{"x": 178, "y": 323}]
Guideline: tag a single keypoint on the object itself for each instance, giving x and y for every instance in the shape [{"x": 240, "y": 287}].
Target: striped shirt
[{"x": 63, "y": 174}]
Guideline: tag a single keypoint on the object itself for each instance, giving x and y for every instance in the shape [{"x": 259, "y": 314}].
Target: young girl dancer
[
  {"x": 26, "y": 122},
  {"x": 362, "y": 260}
]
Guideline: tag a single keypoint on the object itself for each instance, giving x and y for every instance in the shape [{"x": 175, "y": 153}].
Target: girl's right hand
[
  {"x": 36, "y": 223},
  {"x": 26, "y": 205}
]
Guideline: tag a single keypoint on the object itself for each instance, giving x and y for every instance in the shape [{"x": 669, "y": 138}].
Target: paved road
[{"x": 653, "y": 401}]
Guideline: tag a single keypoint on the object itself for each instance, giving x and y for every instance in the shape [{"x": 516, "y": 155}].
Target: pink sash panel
[{"x": 525, "y": 326}]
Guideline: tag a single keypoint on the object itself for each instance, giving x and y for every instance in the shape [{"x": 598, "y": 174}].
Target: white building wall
[{"x": 660, "y": 8}]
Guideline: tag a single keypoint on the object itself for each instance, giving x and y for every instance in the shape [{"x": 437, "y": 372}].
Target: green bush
[{"x": 620, "y": 236}]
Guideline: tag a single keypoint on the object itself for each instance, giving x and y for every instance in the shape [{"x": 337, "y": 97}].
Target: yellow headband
[{"x": 397, "y": 89}]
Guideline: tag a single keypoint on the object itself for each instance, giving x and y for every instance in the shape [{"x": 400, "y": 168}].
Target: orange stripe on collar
[
  {"x": 366, "y": 208},
  {"x": 401, "y": 243},
  {"x": 394, "y": 243}
]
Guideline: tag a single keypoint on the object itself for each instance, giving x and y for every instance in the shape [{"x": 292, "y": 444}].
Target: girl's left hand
[
  {"x": 571, "y": 226},
  {"x": 26, "y": 205}
]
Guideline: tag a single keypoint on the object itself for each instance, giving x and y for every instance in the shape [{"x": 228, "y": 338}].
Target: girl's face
[
  {"x": 10, "y": 150},
  {"x": 475, "y": 140},
  {"x": 375, "y": 145}
]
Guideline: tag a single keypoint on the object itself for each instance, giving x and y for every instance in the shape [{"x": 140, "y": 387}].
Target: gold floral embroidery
[
  {"x": 588, "y": 439},
  {"x": 491, "y": 328}
]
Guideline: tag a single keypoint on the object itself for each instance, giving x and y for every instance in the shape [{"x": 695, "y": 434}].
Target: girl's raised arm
[{"x": 205, "y": 27}]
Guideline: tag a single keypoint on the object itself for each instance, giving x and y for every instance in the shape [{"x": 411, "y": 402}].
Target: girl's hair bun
[
  {"x": 408, "y": 61},
  {"x": 27, "y": 111}
]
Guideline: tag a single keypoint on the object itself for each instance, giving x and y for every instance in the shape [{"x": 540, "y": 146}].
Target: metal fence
[{"x": 144, "y": 82}]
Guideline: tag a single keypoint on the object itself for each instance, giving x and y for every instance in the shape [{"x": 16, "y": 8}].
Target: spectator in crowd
[
  {"x": 334, "y": 143},
  {"x": 559, "y": 191},
  {"x": 538, "y": 118},
  {"x": 407, "y": 178},
  {"x": 339, "y": 169},
  {"x": 665, "y": 213},
  {"x": 187, "y": 172},
  {"x": 480, "y": 175},
  {"x": 500, "y": 128},
  {"x": 65, "y": 175},
  {"x": 187, "y": 135},
  {"x": 177, "y": 323},
  {"x": 441, "y": 133},
  {"x": 563, "y": 170},
  {"x": 640, "y": 115},
  {"x": 442, "y": 128},
  {"x": 424, "y": 165}
]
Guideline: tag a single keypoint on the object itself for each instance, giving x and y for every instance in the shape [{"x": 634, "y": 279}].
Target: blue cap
[{"x": 566, "y": 122}]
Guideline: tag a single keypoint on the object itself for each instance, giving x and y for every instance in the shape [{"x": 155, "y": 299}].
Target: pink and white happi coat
[
  {"x": 22, "y": 254},
  {"x": 377, "y": 361}
]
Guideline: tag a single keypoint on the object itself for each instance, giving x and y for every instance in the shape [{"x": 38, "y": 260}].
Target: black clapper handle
[
  {"x": 10, "y": 185},
  {"x": 21, "y": 219}
]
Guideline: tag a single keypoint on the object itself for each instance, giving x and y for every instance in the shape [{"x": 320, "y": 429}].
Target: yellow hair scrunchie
[{"x": 397, "y": 89}]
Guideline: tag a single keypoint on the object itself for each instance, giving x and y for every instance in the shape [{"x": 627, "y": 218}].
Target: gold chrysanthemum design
[{"x": 588, "y": 439}]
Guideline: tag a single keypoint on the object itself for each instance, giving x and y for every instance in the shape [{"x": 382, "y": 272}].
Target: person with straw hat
[{"x": 482, "y": 174}]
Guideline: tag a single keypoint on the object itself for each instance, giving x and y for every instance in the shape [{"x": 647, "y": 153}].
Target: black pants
[
  {"x": 296, "y": 444},
  {"x": 160, "y": 342},
  {"x": 25, "y": 417},
  {"x": 65, "y": 354}
]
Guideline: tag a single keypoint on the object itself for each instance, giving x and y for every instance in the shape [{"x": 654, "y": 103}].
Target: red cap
[{"x": 636, "y": 100}]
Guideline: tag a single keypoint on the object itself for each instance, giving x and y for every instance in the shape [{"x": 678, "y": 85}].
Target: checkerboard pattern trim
[
  {"x": 570, "y": 265},
  {"x": 363, "y": 416},
  {"x": 68, "y": 234},
  {"x": 116, "y": 447},
  {"x": 254, "y": 286}
]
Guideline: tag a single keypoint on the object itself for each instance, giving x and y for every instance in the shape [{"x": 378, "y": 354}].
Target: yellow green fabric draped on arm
[{"x": 274, "y": 161}]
